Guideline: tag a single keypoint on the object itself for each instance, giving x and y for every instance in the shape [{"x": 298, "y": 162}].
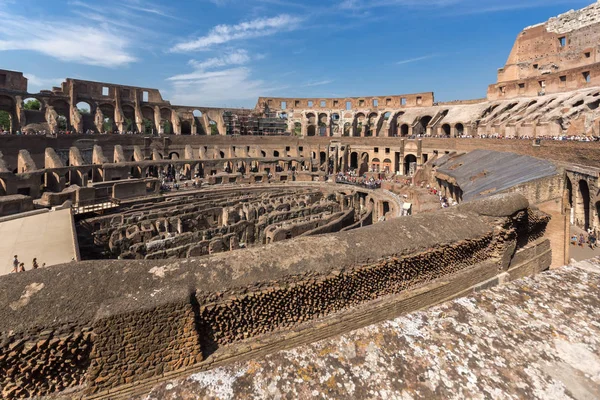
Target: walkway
[
  {"x": 536, "y": 338},
  {"x": 50, "y": 237}
]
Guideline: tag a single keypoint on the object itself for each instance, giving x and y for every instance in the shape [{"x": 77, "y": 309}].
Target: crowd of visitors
[
  {"x": 572, "y": 138},
  {"x": 351, "y": 178},
  {"x": 590, "y": 239},
  {"x": 65, "y": 132},
  {"x": 20, "y": 266}
]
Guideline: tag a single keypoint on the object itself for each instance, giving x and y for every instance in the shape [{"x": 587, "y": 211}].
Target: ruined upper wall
[
  {"x": 346, "y": 103},
  {"x": 566, "y": 42},
  {"x": 13, "y": 81}
]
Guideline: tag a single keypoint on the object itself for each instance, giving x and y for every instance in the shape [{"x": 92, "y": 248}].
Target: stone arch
[
  {"x": 129, "y": 115},
  {"x": 446, "y": 130},
  {"x": 108, "y": 110},
  {"x": 372, "y": 121},
  {"x": 359, "y": 124},
  {"x": 166, "y": 127},
  {"x": 410, "y": 164},
  {"x": 213, "y": 129},
  {"x": 404, "y": 130},
  {"x": 460, "y": 129},
  {"x": 347, "y": 129},
  {"x": 364, "y": 163},
  {"x": 200, "y": 130},
  {"x": 7, "y": 111},
  {"x": 375, "y": 165},
  {"x": 62, "y": 108},
  {"x": 84, "y": 107},
  {"x": 186, "y": 127},
  {"x": 30, "y": 99},
  {"x": 421, "y": 127},
  {"x": 148, "y": 120},
  {"x": 354, "y": 160},
  {"x": 582, "y": 207},
  {"x": 297, "y": 129},
  {"x": 311, "y": 130},
  {"x": 322, "y": 124},
  {"x": 387, "y": 166}
]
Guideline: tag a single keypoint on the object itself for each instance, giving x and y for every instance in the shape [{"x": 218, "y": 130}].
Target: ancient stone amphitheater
[{"x": 294, "y": 250}]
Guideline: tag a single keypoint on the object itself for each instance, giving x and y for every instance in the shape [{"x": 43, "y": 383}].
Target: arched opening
[
  {"x": 375, "y": 165},
  {"x": 446, "y": 130},
  {"x": 214, "y": 129},
  {"x": 322, "y": 124},
  {"x": 460, "y": 129},
  {"x": 582, "y": 213},
  {"x": 148, "y": 120},
  {"x": 32, "y": 104},
  {"x": 354, "y": 160},
  {"x": 360, "y": 122},
  {"x": 297, "y": 129},
  {"x": 129, "y": 122},
  {"x": 371, "y": 128},
  {"x": 87, "y": 116},
  {"x": 62, "y": 109},
  {"x": 364, "y": 163},
  {"x": 5, "y": 121},
  {"x": 84, "y": 108},
  {"x": 404, "y": 129},
  {"x": 311, "y": 129},
  {"x": 7, "y": 106},
  {"x": 410, "y": 165},
  {"x": 186, "y": 128},
  {"x": 108, "y": 123},
  {"x": 198, "y": 122},
  {"x": 421, "y": 127},
  {"x": 174, "y": 155},
  {"x": 347, "y": 128},
  {"x": 166, "y": 127},
  {"x": 387, "y": 166}
]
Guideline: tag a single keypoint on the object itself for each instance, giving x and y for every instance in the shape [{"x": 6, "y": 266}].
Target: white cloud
[
  {"x": 237, "y": 57},
  {"x": 319, "y": 83},
  {"x": 219, "y": 81},
  {"x": 233, "y": 87},
  {"x": 412, "y": 60},
  {"x": 458, "y": 6},
  {"x": 221, "y": 34},
  {"x": 73, "y": 42}
]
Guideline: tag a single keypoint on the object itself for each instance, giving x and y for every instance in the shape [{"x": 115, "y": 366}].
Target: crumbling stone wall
[
  {"x": 145, "y": 319},
  {"x": 44, "y": 361}
]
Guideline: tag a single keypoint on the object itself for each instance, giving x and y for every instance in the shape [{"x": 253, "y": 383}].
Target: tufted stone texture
[{"x": 536, "y": 338}]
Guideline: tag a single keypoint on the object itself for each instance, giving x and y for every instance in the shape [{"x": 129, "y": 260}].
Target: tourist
[
  {"x": 35, "y": 263},
  {"x": 15, "y": 264},
  {"x": 592, "y": 240},
  {"x": 581, "y": 240},
  {"x": 22, "y": 267},
  {"x": 574, "y": 240}
]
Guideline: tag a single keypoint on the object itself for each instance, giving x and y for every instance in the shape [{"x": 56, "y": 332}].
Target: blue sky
[{"x": 229, "y": 52}]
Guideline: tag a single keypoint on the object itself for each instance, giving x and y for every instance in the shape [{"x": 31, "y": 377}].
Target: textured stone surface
[{"x": 534, "y": 338}]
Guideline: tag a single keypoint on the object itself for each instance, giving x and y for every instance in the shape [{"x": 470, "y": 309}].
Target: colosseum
[{"x": 368, "y": 247}]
